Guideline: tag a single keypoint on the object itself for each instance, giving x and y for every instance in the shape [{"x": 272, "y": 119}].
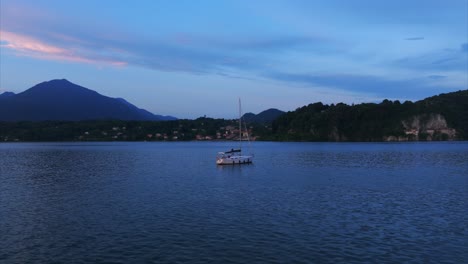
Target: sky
[{"x": 189, "y": 58}]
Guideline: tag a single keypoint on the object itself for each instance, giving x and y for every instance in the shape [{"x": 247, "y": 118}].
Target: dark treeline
[
  {"x": 377, "y": 122},
  {"x": 442, "y": 117},
  {"x": 114, "y": 130}
]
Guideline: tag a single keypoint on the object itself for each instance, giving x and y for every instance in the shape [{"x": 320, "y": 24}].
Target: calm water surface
[{"x": 298, "y": 203}]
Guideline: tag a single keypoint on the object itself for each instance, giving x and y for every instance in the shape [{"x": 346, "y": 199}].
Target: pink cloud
[{"x": 29, "y": 46}]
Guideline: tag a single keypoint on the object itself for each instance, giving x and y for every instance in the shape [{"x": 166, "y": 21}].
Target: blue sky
[{"x": 195, "y": 58}]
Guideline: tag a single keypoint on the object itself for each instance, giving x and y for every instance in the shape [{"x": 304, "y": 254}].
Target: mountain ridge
[
  {"x": 265, "y": 116},
  {"x": 60, "y": 99},
  {"x": 438, "y": 118},
  {"x": 6, "y": 94}
]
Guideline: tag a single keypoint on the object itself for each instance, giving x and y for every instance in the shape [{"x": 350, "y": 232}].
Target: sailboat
[{"x": 234, "y": 156}]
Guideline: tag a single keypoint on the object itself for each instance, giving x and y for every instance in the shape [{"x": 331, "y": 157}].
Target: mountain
[
  {"x": 266, "y": 116},
  {"x": 441, "y": 117},
  {"x": 148, "y": 115},
  {"x": 63, "y": 100},
  {"x": 6, "y": 95}
]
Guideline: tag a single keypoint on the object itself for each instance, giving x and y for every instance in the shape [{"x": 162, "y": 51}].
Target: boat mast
[{"x": 240, "y": 124}]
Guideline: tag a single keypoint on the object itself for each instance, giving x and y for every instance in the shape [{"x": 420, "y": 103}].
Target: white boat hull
[
  {"x": 234, "y": 160},
  {"x": 234, "y": 156}
]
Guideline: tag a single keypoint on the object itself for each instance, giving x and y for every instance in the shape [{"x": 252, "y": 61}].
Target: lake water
[{"x": 298, "y": 203}]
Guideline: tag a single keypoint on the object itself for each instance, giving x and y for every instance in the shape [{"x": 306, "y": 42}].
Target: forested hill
[
  {"x": 264, "y": 117},
  {"x": 442, "y": 117}
]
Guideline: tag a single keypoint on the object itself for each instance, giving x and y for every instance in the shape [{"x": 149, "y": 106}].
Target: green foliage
[
  {"x": 114, "y": 130},
  {"x": 368, "y": 121},
  {"x": 314, "y": 122}
]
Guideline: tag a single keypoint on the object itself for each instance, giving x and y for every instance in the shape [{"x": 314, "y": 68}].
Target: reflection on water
[{"x": 169, "y": 202}]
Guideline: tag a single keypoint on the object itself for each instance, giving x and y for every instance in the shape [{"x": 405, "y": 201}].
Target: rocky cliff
[{"x": 425, "y": 127}]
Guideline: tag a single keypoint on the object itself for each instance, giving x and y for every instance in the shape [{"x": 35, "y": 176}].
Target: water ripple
[{"x": 169, "y": 203}]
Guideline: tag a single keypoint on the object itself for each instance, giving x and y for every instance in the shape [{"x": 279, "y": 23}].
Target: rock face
[{"x": 427, "y": 127}]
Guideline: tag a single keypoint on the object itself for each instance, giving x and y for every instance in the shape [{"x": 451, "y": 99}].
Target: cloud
[
  {"x": 464, "y": 47},
  {"x": 187, "y": 53},
  {"x": 29, "y": 46},
  {"x": 26, "y": 44},
  {"x": 54, "y": 36},
  {"x": 437, "y": 77},
  {"x": 277, "y": 43},
  {"x": 368, "y": 84},
  {"x": 64, "y": 38},
  {"x": 415, "y": 38},
  {"x": 445, "y": 60}
]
